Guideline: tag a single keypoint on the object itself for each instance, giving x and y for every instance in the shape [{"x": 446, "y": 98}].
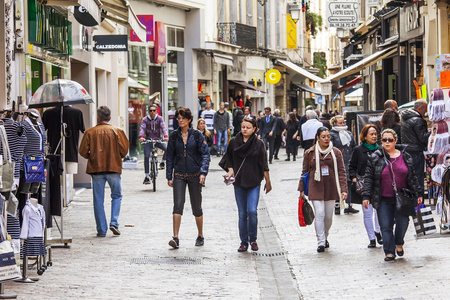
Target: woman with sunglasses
[
  {"x": 327, "y": 183},
  {"x": 356, "y": 169},
  {"x": 378, "y": 190}
]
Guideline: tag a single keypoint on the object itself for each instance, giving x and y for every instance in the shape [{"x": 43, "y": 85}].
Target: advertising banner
[
  {"x": 148, "y": 22},
  {"x": 291, "y": 33},
  {"x": 160, "y": 43},
  {"x": 342, "y": 14},
  {"x": 442, "y": 63}
]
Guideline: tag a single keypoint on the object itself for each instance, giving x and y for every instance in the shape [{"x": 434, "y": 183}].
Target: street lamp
[
  {"x": 295, "y": 9},
  {"x": 262, "y": 2}
]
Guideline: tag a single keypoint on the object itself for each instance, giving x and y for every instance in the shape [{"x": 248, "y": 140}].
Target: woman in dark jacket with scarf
[
  {"x": 187, "y": 164},
  {"x": 246, "y": 162},
  {"x": 357, "y": 169},
  {"x": 378, "y": 190},
  {"x": 344, "y": 141}
]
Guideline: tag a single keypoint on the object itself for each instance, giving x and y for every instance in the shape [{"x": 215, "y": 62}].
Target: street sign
[
  {"x": 273, "y": 76},
  {"x": 110, "y": 43},
  {"x": 342, "y": 14}
]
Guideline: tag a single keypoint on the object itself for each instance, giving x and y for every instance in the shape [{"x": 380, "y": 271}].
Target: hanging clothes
[
  {"x": 32, "y": 231},
  {"x": 36, "y": 139},
  {"x": 16, "y": 143}
]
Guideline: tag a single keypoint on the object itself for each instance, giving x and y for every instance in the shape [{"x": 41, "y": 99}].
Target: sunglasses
[
  {"x": 152, "y": 110},
  {"x": 388, "y": 140}
]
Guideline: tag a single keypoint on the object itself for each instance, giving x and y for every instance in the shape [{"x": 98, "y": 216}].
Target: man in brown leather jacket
[{"x": 104, "y": 146}]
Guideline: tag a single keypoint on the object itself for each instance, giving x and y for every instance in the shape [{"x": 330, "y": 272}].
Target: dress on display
[
  {"x": 32, "y": 232},
  {"x": 16, "y": 143}
]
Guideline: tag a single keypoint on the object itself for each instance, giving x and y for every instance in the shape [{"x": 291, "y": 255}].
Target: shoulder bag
[
  {"x": 305, "y": 178},
  {"x": 359, "y": 184},
  {"x": 305, "y": 212},
  {"x": 34, "y": 169},
  {"x": 7, "y": 167},
  {"x": 404, "y": 198}
]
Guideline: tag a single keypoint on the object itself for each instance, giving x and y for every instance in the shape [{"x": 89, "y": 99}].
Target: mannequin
[{"x": 33, "y": 226}]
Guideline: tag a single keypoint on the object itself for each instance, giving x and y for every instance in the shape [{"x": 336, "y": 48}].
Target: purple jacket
[{"x": 152, "y": 129}]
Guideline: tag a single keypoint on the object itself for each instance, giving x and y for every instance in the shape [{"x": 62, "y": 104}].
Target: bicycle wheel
[{"x": 153, "y": 174}]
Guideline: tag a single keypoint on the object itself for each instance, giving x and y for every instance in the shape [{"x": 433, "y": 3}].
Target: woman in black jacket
[
  {"x": 356, "y": 170},
  {"x": 385, "y": 166},
  {"x": 187, "y": 164},
  {"x": 391, "y": 119},
  {"x": 246, "y": 163},
  {"x": 291, "y": 131}
]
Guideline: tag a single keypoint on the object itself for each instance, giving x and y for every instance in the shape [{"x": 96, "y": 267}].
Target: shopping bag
[
  {"x": 8, "y": 267},
  {"x": 34, "y": 169},
  {"x": 424, "y": 221},
  {"x": 305, "y": 178},
  {"x": 7, "y": 164},
  {"x": 305, "y": 213}
]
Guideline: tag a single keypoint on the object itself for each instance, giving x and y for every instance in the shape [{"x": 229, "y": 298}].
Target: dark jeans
[
  {"x": 419, "y": 168},
  {"x": 195, "y": 195},
  {"x": 387, "y": 217},
  {"x": 148, "y": 151},
  {"x": 269, "y": 143},
  {"x": 247, "y": 201},
  {"x": 277, "y": 145}
]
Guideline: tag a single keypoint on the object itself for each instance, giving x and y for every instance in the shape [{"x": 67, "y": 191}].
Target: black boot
[
  {"x": 294, "y": 159},
  {"x": 372, "y": 244},
  {"x": 379, "y": 238},
  {"x": 288, "y": 158}
]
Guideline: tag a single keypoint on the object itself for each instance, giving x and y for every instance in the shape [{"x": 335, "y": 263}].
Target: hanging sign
[
  {"x": 147, "y": 21},
  {"x": 442, "y": 63},
  {"x": 160, "y": 43},
  {"x": 273, "y": 76},
  {"x": 342, "y": 14},
  {"x": 111, "y": 43}
]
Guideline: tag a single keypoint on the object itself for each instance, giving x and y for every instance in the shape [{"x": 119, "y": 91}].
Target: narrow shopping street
[{"x": 140, "y": 264}]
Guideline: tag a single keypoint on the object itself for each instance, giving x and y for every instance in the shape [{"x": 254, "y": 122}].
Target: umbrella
[{"x": 60, "y": 92}]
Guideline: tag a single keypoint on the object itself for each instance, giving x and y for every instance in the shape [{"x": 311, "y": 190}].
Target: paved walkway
[{"x": 139, "y": 264}]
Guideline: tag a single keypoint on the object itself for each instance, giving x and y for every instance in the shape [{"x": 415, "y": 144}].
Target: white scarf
[
  {"x": 336, "y": 173},
  {"x": 344, "y": 136}
]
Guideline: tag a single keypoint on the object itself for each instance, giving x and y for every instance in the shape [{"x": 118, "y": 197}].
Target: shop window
[{"x": 175, "y": 37}]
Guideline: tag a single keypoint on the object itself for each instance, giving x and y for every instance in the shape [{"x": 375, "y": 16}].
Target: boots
[
  {"x": 288, "y": 158},
  {"x": 294, "y": 159}
]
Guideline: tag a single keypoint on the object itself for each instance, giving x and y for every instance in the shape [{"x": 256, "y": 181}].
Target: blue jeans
[
  {"x": 148, "y": 151},
  {"x": 387, "y": 217},
  {"x": 222, "y": 134},
  {"x": 247, "y": 201},
  {"x": 98, "y": 188}
]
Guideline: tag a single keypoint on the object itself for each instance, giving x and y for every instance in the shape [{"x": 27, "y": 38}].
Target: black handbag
[
  {"x": 405, "y": 201},
  {"x": 359, "y": 184}
]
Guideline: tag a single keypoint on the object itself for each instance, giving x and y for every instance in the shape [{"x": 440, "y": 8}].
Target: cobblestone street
[{"x": 140, "y": 264}]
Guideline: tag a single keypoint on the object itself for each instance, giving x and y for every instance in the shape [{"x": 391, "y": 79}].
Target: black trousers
[
  {"x": 269, "y": 143},
  {"x": 277, "y": 145},
  {"x": 195, "y": 195}
]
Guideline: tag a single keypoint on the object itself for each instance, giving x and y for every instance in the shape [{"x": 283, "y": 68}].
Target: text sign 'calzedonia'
[
  {"x": 110, "y": 43},
  {"x": 342, "y": 14}
]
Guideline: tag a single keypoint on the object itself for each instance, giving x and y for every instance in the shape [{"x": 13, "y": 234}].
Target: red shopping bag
[
  {"x": 301, "y": 218},
  {"x": 305, "y": 212}
]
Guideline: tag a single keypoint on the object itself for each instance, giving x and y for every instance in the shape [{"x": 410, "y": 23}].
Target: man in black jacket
[
  {"x": 267, "y": 131},
  {"x": 415, "y": 135},
  {"x": 278, "y": 131}
]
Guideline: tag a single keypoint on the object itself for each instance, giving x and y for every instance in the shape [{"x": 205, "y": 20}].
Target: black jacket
[
  {"x": 398, "y": 130},
  {"x": 253, "y": 151},
  {"x": 280, "y": 126},
  {"x": 414, "y": 131},
  {"x": 188, "y": 159},
  {"x": 345, "y": 150},
  {"x": 358, "y": 162},
  {"x": 266, "y": 127},
  {"x": 237, "y": 121},
  {"x": 372, "y": 178}
]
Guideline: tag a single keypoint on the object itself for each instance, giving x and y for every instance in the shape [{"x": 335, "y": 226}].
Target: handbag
[
  {"x": 305, "y": 178},
  {"x": 305, "y": 212},
  {"x": 34, "y": 169},
  {"x": 7, "y": 169},
  {"x": 424, "y": 221},
  {"x": 359, "y": 184},
  {"x": 405, "y": 202},
  {"x": 8, "y": 267}
]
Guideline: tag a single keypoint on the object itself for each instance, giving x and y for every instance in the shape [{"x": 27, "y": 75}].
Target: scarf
[
  {"x": 372, "y": 147},
  {"x": 344, "y": 136},
  {"x": 336, "y": 174}
]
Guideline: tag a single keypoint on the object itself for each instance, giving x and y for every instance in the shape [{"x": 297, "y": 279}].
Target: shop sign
[
  {"x": 148, "y": 22},
  {"x": 411, "y": 25},
  {"x": 160, "y": 43},
  {"x": 111, "y": 43},
  {"x": 326, "y": 88},
  {"x": 273, "y": 76},
  {"x": 342, "y": 14},
  {"x": 291, "y": 33},
  {"x": 442, "y": 63},
  {"x": 239, "y": 69}
]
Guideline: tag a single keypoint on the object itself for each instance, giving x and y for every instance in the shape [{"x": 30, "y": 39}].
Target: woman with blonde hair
[{"x": 201, "y": 126}]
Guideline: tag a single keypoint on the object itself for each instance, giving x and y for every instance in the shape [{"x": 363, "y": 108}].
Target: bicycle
[{"x": 153, "y": 160}]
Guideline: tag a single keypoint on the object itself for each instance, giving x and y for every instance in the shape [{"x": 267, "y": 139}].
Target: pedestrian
[
  {"x": 208, "y": 114},
  {"x": 187, "y": 165},
  {"x": 325, "y": 119},
  {"x": 386, "y": 165},
  {"x": 294, "y": 110},
  {"x": 221, "y": 129},
  {"x": 291, "y": 131},
  {"x": 344, "y": 141},
  {"x": 237, "y": 122},
  {"x": 246, "y": 162},
  {"x": 104, "y": 146},
  {"x": 247, "y": 113},
  {"x": 309, "y": 130},
  {"x": 230, "y": 119},
  {"x": 357, "y": 169},
  {"x": 391, "y": 104},
  {"x": 201, "y": 126},
  {"x": 415, "y": 136},
  {"x": 266, "y": 131},
  {"x": 391, "y": 119},
  {"x": 238, "y": 100},
  {"x": 279, "y": 128},
  {"x": 153, "y": 127},
  {"x": 327, "y": 183}
]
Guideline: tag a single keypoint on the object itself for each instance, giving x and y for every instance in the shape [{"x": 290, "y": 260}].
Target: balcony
[{"x": 238, "y": 34}]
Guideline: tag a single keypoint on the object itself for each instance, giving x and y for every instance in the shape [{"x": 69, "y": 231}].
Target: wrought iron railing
[{"x": 237, "y": 34}]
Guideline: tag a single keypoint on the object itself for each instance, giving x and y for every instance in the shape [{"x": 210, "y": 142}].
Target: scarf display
[
  {"x": 344, "y": 136},
  {"x": 437, "y": 107},
  {"x": 372, "y": 147},
  {"x": 438, "y": 142},
  {"x": 336, "y": 173}
]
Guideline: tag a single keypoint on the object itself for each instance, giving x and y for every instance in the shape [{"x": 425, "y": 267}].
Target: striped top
[
  {"x": 16, "y": 143},
  {"x": 35, "y": 139}
]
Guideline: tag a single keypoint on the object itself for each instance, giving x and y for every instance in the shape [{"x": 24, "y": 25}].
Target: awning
[
  {"x": 366, "y": 62},
  {"x": 134, "y": 84},
  {"x": 308, "y": 88},
  {"x": 223, "y": 59},
  {"x": 91, "y": 6},
  {"x": 245, "y": 85},
  {"x": 301, "y": 71},
  {"x": 349, "y": 84},
  {"x": 120, "y": 11},
  {"x": 356, "y": 95}
]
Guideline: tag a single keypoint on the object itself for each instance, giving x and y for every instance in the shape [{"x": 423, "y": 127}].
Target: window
[{"x": 175, "y": 37}]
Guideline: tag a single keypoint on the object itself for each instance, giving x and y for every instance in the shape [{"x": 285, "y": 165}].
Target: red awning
[{"x": 349, "y": 84}]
